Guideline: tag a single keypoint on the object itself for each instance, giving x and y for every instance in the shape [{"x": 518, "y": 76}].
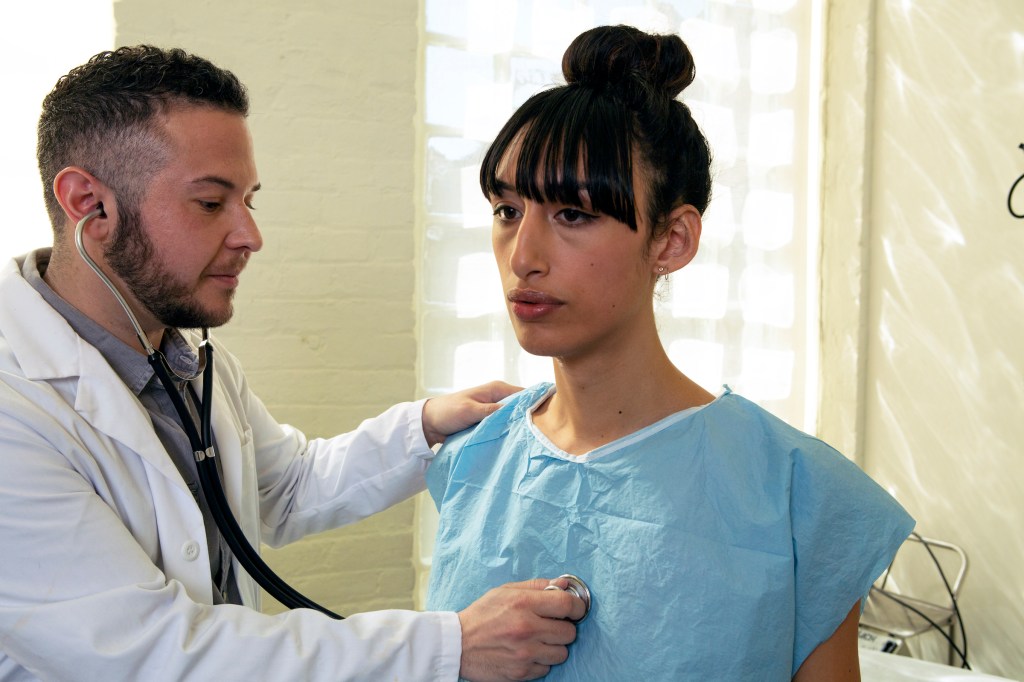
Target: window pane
[
  {"x": 738, "y": 314},
  {"x": 40, "y": 50}
]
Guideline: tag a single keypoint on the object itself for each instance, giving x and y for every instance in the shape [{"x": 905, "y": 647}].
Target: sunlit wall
[
  {"x": 324, "y": 322},
  {"x": 923, "y": 149}
]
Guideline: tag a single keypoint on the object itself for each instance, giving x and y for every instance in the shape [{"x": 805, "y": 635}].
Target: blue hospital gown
[{"x": 718, "y": 543}]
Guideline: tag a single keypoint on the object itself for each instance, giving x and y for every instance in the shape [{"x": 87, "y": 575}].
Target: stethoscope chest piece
[{"x": 577, "y": 587}]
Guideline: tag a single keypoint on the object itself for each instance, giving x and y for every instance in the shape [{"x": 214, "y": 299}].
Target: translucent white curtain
[{"x": 744, "y": 312}]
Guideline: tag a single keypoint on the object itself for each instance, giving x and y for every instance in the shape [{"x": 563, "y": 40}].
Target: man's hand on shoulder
[{"x": 451, "y": 413}]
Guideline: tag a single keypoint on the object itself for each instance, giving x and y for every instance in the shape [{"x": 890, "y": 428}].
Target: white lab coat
[{"x": 104, "y": 573}]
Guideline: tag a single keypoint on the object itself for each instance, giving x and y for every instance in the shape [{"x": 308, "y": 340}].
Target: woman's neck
[{"x": 600, "y": 400}]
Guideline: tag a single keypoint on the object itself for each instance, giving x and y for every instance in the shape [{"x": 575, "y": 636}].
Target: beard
[{"x": 132, "y": 256}]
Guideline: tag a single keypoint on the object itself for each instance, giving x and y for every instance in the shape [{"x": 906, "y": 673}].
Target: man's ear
[
  {"x": 80, "y": 193},
  {"x": 678, "y": 245}
]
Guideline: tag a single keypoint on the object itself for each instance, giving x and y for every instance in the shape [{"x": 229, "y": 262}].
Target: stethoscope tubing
[{"x": 201, "y": 440}]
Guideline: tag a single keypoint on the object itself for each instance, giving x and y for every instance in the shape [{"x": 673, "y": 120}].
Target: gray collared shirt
[{"x": 132, "y": 366}]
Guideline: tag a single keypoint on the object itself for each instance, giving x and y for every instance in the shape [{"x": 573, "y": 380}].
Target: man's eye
[{"x": 210, "y": 206}]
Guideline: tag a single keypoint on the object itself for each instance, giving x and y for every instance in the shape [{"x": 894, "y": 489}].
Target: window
[
  {"x": 51, "y": 38},
  {"x": 744, "y": 312}
]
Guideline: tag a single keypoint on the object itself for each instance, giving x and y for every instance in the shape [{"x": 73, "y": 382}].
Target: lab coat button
[{"x": 190, "y": 550}]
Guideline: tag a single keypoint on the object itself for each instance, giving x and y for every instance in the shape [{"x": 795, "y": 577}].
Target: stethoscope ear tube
[{"x": 201, "y": 440}]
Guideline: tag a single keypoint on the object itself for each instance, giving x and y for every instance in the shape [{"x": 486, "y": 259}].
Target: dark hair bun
[{"x": 624, "y": 57}]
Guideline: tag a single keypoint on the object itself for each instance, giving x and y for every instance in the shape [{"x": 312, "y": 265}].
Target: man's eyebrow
[{"x": 223, "y": 182}]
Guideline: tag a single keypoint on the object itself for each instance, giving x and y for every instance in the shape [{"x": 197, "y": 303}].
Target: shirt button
[{"x": 190, "y": 550}]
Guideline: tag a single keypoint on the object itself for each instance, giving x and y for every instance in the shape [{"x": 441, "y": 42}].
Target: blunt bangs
[{"x": 567, "y": 141}]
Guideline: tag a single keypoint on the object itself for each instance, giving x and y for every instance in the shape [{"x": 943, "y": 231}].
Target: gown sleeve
[{"x": 846, "y": 530}]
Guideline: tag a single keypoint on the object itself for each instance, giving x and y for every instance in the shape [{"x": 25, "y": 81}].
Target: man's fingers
[
  {"x": 533, "y": 584},
  {"x": 552, "y": 655},
  {"x": 494, "y": 391},
  {"x": 447, "y": 414},
  {"x": 551, "y": 603},
  {"x": 561, "y": 605},
  {"x": 557, "y": 603},
  {"x": 517, "y": 631}
]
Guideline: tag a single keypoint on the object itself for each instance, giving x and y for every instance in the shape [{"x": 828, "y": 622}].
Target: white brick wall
[{"x": 324, "y": 317}]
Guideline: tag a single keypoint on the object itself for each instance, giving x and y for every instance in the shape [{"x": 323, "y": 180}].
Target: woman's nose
[{"x": 529, "y": 248}]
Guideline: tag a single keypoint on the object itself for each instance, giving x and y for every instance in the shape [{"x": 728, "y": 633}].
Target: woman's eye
[
  {"x": 504, "y": 212},
  {"x": 209, "y": 206},
  {"x": 574, "y": 216}
]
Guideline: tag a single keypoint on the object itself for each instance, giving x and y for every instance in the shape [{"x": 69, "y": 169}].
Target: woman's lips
[{"x": 529, "y": 306}]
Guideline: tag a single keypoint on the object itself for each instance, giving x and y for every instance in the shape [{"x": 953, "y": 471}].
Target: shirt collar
[{"x": 129, "y": 364}]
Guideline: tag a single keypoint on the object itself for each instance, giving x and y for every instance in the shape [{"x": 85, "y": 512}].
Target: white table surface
[{"x": 876, "y": 666}]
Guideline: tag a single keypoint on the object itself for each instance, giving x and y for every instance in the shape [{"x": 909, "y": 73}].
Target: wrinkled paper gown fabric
[{"x": 718, "y": 543}]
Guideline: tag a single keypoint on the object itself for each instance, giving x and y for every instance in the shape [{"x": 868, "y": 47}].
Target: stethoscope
[
  {"x": 577, "y": 587},
  {"x": 201, "y": 439}
]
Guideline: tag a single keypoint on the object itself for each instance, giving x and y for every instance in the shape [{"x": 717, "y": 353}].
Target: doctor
[{"x": 112, "y": 568}]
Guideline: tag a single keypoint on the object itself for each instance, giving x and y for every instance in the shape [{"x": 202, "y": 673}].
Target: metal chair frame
[{"x": 904, "y": 616}]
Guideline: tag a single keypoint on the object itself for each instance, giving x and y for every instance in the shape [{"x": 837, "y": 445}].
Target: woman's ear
[
  {"x": 80, "y": 193},
  {"x": 678, "y": 245}
]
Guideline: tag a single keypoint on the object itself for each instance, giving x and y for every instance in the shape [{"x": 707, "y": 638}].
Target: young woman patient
[{"x": 718, "y": 542}]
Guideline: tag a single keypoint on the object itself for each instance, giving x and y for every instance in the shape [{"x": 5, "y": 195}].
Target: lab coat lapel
[
  {"x": 110, "y": 407},
  {"x": 47, "y": 349}
]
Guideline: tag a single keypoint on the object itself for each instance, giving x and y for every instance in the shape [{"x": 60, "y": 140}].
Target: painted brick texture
[{"x": 324, "y": 318}]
